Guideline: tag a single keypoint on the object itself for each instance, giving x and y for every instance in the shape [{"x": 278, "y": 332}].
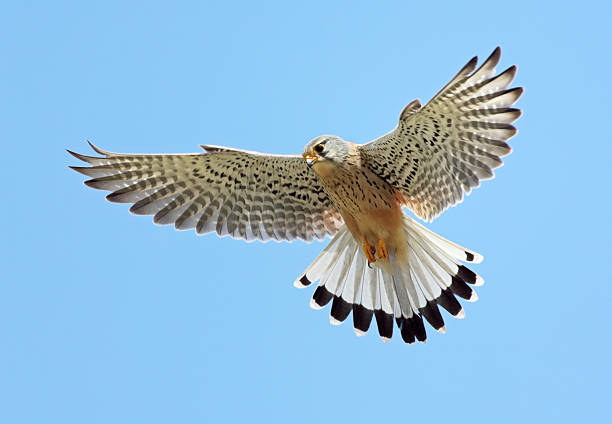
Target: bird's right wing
[{"x": 234, "y": 192}]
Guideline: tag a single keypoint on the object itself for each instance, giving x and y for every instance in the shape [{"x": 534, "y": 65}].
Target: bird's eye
[{"x": 319, "y": 148}]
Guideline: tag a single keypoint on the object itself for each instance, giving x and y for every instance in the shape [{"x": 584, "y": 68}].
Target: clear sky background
[{"x": 107, "y": 318}]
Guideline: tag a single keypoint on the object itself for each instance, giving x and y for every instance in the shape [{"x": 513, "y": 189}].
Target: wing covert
[
  {"x": 243, "y": 194},
  {"x": 447, "y": 147}
]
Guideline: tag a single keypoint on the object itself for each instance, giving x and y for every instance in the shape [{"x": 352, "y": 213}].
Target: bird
[{"x": 381, "y": 264}]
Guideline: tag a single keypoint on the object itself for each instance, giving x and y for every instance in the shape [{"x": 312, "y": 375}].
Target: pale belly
[{"x": 371, "y": 208}]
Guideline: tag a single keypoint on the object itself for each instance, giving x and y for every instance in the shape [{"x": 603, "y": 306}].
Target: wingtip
[
  {"x": 84, "y": 158},
  {"x": 80, "y": 169},
  {"x": 116, "y": 197},
  {"x": 519, "y": 113},
  {"x": 97, "y": 149},
  {"x": 494, "y": 57},
  {"x": 92, "y": 184},
  {"x": 89, "y": 159},
  {"x": 496, "y": 52},
  {"x": 469, "y": 67},
  {"x": 77, "y": 155}
]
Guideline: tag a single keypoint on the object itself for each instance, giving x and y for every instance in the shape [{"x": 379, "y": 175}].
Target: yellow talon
[
  {"x": 382, "y": 250},
  {"x": 369, "y": 252}
]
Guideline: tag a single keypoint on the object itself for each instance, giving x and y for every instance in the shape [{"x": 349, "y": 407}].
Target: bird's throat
[{"x": 325, "y": 168}]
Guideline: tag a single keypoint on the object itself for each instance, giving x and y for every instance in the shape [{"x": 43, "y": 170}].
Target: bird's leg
[
  {"x": 382, "y": 250},
  {"x": 369, "y": 252}
]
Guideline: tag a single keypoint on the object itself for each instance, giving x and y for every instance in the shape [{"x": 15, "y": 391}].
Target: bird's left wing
[
  {"x": 444, "y": 149},
  {"x": 243, "y": 194}
]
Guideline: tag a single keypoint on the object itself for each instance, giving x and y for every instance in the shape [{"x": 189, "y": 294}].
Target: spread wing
[
  {"x": 444, "y": 149},
  {"x": 243, "y": 194}
]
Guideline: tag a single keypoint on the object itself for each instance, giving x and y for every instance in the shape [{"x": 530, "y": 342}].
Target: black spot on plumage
[
  {"x": 469, "y": 257},
  {"x": 406, "y": 330},
  {"x": 305, "y": 281},
  {"x": 322, "y": 296},
  {"x": 460, "y": 288},
  {"x": 432, "y": 314},
  {"x": 466, "y": 274},
  {"x": 449, "y": 302},
  {"x": 384, "y": 322},
  {"x": 419, "y": 328},
  {"x": 362, "y": 317},
  {"x": 340, "y": 309}
]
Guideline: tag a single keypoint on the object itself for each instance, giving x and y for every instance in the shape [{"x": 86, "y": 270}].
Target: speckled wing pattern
[
  {"x": 444, "y": 149},
  {"x": 246, "y": 195}
]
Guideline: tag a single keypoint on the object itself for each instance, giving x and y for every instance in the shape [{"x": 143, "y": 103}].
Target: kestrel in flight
[{"x": 380, "y": 263}]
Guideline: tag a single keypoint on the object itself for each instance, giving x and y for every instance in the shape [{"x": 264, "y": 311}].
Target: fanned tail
[{"x": 407, "y": 287}]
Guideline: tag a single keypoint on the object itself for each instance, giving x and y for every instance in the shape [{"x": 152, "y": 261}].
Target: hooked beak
[{"x": 310, "y": 160}]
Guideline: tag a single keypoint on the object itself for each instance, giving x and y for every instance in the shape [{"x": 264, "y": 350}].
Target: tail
[{"x": 407, "y": 288}]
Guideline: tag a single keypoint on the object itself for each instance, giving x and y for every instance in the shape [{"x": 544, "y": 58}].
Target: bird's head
[{"x": 325, "y": 152}]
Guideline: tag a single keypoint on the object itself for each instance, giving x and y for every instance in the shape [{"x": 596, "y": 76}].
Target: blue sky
[{"x": 106, "y": 317}]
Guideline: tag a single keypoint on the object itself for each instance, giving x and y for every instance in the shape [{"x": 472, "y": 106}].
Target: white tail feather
[{"x": 406, "y": 288}]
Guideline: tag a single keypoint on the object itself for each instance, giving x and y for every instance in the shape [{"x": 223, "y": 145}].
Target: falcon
[{"x": 380, "y": 263}]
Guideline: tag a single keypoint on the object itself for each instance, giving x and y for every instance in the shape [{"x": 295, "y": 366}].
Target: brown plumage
[{"x": 437, "y": 153}]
